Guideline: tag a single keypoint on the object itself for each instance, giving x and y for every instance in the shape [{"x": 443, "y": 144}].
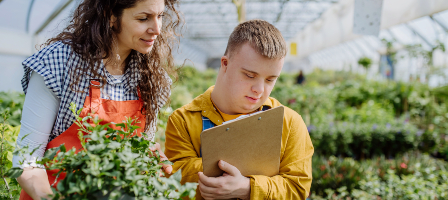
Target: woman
[{"x": 113, "y": 60}]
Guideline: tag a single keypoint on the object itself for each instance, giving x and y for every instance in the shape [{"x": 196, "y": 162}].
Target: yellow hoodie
[{"x": 183, "y": 145}]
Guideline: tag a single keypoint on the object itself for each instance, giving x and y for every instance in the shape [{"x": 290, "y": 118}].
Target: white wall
[{"x": 11, "y": 72}]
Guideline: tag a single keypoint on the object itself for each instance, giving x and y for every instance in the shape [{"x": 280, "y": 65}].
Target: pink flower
[{"x": 403, "y": 165}]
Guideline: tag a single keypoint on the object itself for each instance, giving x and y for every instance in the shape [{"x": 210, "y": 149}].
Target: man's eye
[
  {"x": 160, "y": 16},
  {"x": 249, "y": 76},
  {"x": 144, "y": 19},
  {"x": 270, "y": 80}
]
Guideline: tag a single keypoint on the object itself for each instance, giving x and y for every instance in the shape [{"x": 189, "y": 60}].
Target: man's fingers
[
  {"x": 209, "y": 181},
  {"x": 230, "y": 169},
  {"x": 205, "y": 190}
]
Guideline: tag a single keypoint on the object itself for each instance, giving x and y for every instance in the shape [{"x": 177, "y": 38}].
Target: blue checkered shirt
[{"x": 54, "y": 64}]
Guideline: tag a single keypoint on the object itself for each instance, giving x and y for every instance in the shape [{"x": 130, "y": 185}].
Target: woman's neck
[{"x": 116, "y": 64}]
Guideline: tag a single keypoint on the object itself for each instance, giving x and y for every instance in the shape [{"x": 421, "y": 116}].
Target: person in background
[
  {"x": 300, "y": 78},
  {"x": 249, "y": 69},
  {"x": 114, "y": 60}
]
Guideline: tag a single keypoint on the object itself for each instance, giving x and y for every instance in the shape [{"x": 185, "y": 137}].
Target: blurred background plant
[
  {"x": 9, "y": 188},
  {"x": 372, "y": 139}
]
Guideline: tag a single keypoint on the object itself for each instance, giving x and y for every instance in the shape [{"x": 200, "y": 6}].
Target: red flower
[
  {"x": 403, "y": 165},
  {"x": 340, "y": 176},
  {"x": 322, "y": 167},
  {"x": 325, "y": 175},
  {"x": 291, "y": 101}
]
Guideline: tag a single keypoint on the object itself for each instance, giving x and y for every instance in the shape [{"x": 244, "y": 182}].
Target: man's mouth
[{"x": 252, "y": 99}]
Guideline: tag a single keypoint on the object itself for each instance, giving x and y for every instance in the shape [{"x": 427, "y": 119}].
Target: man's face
[{"x": 248, "y": 79}]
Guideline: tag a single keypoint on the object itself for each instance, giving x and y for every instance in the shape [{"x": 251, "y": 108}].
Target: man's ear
[{"x": 224, "y": 63}]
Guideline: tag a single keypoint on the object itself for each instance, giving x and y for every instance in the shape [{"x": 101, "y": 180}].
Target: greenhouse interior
[{"x": 369, "y": 78}]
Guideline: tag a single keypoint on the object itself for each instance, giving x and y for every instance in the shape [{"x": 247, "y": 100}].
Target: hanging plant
[{"x": 365, "y": 62}]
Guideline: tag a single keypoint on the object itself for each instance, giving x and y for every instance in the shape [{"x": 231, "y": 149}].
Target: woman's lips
[
  {"x": 252, "y": 100},
  {"x": 148, "y": 42}
]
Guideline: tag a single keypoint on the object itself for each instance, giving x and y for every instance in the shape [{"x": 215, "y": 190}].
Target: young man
[{"x": 249, "y": 69}]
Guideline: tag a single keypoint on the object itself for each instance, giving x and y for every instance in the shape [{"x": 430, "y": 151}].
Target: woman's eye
[
  {"x": 160, "y": 16},
  {"x": 144, "y": 19}
]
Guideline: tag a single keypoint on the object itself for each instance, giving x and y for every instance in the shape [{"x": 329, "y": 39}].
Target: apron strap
[
  {"x": 95, "y": 95},
  {"x": 139, "y": 93}
]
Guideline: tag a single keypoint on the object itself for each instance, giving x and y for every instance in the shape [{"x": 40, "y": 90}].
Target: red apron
[{"x": 108, "y": 111}]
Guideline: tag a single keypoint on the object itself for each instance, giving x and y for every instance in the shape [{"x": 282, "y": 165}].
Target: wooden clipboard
[{"x": 251, "y": 144}]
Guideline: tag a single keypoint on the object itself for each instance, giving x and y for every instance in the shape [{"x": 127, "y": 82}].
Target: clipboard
[{"x": 251, "y": 144}]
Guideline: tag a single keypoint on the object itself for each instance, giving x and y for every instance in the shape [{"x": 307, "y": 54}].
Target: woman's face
[{"x": 140, "y": 26}]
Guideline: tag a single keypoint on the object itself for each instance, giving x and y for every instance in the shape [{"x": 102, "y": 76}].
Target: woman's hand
[
  {"x": 35, "y": 183},
  {"x": 165, "y": 167}
]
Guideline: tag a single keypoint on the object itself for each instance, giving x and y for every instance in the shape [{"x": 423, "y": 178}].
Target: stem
[{"x": 7, "y": 187}]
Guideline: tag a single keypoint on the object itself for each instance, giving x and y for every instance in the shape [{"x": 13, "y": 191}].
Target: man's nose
[{"x": 258, "y": 87}]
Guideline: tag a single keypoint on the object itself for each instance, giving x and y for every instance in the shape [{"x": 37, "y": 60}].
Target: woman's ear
[{"x": 113, "y": 19}]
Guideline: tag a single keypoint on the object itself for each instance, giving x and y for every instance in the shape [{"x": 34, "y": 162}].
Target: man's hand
[
  {"x": 230, "y": 185},
  {"x": 167, "y": 168}
]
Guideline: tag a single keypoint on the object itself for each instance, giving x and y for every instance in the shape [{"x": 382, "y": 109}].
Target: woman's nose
[{"x": 155, "y": 27}]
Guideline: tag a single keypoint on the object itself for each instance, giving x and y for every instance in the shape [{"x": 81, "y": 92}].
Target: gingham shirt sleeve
[{"x": 50, "y": 63}]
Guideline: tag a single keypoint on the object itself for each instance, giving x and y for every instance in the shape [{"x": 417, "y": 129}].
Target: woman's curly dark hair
[{"x": 90, "y": 35}]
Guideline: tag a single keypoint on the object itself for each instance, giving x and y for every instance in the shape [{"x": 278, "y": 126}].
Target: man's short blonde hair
[{"x": 261, "y": 35}]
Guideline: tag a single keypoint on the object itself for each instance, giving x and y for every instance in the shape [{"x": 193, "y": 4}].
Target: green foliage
[
  {"x": 411, "y": 176},
  {"x": 322, "y": 78},
  {"x": 13, "y": 103},
  {"x": 363, "y": 140},
  {"x": 196, "y": 82},
  {"x": 180, "y": 96},
  {"x": 334, "y": 173},
  {"x": 369, "y": 112},
  {"x": 315, "y": 104},
  {"x": 365, "y": 62},
  {"x": 112, "y": 163},
  {"x": 8, "y": 187}
]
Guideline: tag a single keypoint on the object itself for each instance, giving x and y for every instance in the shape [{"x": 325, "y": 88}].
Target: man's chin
[{"x": 249, "y": 109}]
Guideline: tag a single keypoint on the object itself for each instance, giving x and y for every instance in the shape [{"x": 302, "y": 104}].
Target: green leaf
[
  {"x": 24, "y": 137},
  {"x": 14, "y": 172},
  {"x": 51, "y": 153},
  {"x": 60, "y": 186},
  {"x": 35, "y": 149},
  {"x": 177, "y": 176}
]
